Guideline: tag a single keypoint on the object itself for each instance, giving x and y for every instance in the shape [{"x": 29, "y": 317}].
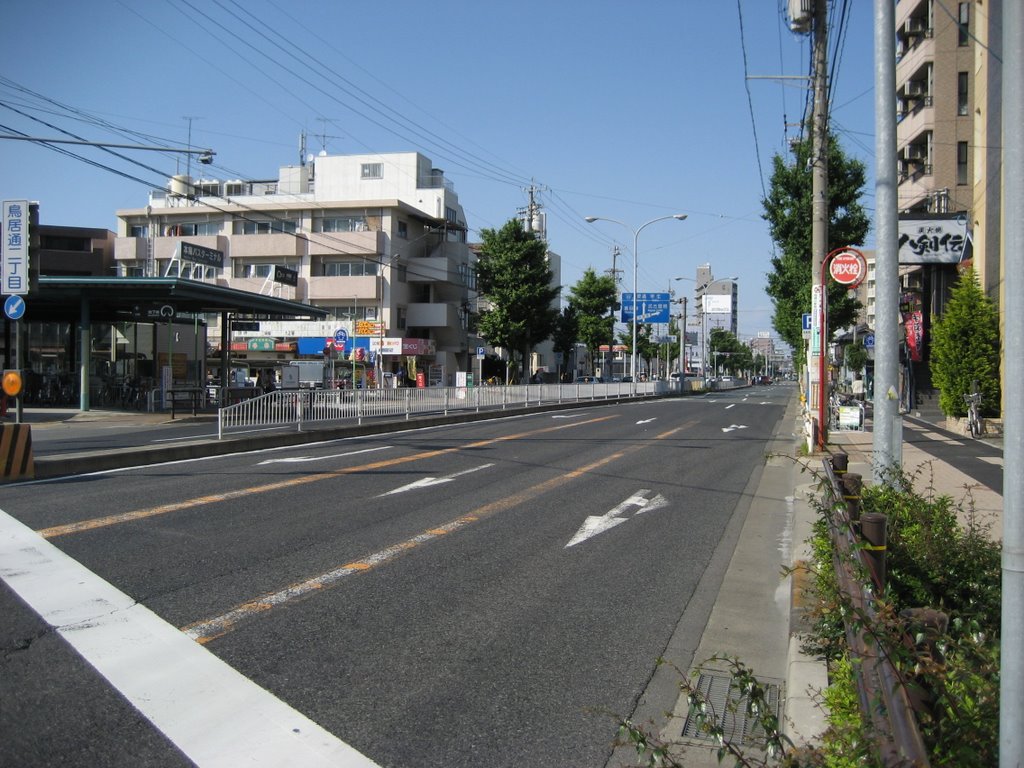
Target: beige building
[
  {"x": 377, "y": 240},
  {"x": 948, "y": 81}
]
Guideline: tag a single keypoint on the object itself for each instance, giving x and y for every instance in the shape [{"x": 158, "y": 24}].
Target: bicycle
[{"x": 974, "y": 425}]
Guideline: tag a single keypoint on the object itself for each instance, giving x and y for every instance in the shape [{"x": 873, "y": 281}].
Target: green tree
[
  {"x": 733, "y": 356},
  {"x": 565, "y": 335},
  {"x": 855, "y": 356},
  {"x": 965, "y": 348},
  {"x": 787, "y": 210},
  {"x": 593, "y": 299},
  {"x": 514, "y": 278},
  {"x": 645, "y": 348}
]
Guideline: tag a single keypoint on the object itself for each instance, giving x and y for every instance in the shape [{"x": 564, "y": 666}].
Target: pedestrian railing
[
  {"x": 304, "y": 408},
  {"x": 882, "y": 690}
]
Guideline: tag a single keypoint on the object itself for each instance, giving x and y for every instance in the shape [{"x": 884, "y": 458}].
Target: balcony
[
  {"x": 274, "y": 245},
  {"x": 434, "y": 269},
  {"x": 344, "y": 289},
  {"x": 164, "y": 248},
  {"x": 365, "y": 243},
  {"x": 432, "y": 316}
]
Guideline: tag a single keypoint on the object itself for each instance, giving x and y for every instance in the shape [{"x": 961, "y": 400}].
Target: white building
[{"x": 377, "y": 240}]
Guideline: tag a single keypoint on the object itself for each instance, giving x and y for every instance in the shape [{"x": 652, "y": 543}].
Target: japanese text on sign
[{"x": 15, "y": 247}]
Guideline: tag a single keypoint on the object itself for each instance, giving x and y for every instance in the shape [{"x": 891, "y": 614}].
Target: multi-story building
[
  {"x": 377, "y": 240},
  {"x": 948, "y": 138}
]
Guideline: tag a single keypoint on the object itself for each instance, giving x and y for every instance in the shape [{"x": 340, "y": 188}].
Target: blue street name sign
[{"x": 649, "y": 307}]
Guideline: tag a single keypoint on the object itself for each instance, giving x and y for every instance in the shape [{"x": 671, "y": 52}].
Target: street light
[{"x": 636, "y": 237}]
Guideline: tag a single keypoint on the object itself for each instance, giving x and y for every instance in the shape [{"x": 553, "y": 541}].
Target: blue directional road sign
[
  {"x": 341, "y": 337},
  {"x": 14, "y": 307},
  {"x": 650, "y": 307}
]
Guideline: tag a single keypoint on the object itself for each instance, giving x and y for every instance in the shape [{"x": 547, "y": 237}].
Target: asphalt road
[{"x": 486, "y": 594}]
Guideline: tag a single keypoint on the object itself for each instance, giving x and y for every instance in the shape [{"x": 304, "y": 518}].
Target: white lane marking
[
  {"x": 426, "y": 482},
  {"x": 646, "y": 421},
  {"x": 733, "y": 427},
  {"x": 733, "y": 405},
  {"x": 596, "y": 524},
  {"x": 570, "y": 415},
  {"x": 301, "y": 459},
  {"x": 211, "y": 712}
]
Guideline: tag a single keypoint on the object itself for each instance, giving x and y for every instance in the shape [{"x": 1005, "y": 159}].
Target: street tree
[
  {"x": 729, "y": 353},
  {"x": 788, "y": 211},
  {"x": 593, "y": 298},
  {"x": 514, "y": 279},
  {"x": 646, "y": 349},
  {"x": 965, "y": 349}
]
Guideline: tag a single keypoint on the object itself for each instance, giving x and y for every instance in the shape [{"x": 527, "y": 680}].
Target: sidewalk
[{"x": 757, "y": 616}]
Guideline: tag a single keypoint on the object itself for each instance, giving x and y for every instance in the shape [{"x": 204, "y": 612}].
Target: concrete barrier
[{"x": 16, "y": 452}]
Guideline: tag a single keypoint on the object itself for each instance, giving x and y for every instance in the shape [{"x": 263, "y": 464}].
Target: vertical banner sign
[
  {"x": 15, "y": 247},
  {"x": 815, "y": 319}
]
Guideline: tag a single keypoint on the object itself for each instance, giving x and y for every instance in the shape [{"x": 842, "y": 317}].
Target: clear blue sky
[{"x": 626, "y": 110}]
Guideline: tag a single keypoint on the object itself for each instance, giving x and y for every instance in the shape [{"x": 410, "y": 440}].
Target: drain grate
[{"x": 729, "y": 709}]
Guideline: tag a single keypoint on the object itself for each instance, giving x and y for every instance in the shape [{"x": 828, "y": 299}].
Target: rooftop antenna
[
  {"x": 188, "y": 163},
  {"x": 323, "y": 136}
]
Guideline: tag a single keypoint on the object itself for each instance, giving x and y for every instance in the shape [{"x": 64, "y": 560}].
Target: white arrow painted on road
[
  {"x": 732, "y": 427},
  {"x": 596, "y": 524},
  {"x": 646, "y": 421},
  {"x": 300, "y": 459},
  {"x": 426, "y": 482}
]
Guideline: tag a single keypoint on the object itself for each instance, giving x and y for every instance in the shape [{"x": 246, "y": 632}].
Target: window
[
  {"x": 208, "y": 189},
  {"x": 353, "y": 312},
  {"x": 234, "y": 189},
  {"x": 252, "y": 227},
  {"x": 961, "y": 162},
  {"x": 961, "y": 93},
  {"x": 372, "y": 171},
  {"x": 400, "y": 324},
  {"x": 964, "y": 31},
  {"x": 451, "y": 215},
  {"x": 138, "y": 230},
  {"x": 403, "y": 230},
  {"x": 250, "y": 270},
  {"x": 208, "y": 228},
  {"x": 350, "y": 269},
  {"x": 344, "y": 224}
]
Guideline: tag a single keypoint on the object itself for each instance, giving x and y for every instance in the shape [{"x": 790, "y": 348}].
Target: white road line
[
  {"x": 303, "y": 459},
  {"x": 730, "y": 406},
  {"x": 211, "y": 712},
  {"x": 426, "y": 482}
]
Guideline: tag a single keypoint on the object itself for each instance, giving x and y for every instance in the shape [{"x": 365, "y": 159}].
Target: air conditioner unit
[
  {"x": 914, "y": 152},
  {"x": 915, "y": 88},
  {"x": 914, "y": 27}
]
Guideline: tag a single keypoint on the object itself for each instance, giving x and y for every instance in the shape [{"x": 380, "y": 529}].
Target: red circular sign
[{"x": 848, "y": 268}]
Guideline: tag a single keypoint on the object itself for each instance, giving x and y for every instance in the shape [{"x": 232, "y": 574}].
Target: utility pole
[
  {"x": 819, "y": 203},
  {"x": 1011, "y": 674},
  {"x": 614, "y": 272}
]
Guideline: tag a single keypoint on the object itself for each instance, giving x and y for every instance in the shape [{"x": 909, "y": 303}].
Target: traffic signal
[{"x": 12, "y": 382}]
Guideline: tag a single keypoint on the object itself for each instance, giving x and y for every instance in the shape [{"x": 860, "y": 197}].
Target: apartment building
[
  {"x": 948, "y": 81},
  {"x": 377, "y": 240}
]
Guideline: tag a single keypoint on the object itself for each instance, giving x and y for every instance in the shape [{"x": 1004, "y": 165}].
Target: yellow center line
[
  {"x": 163, "y": 509},
  {"x": 211, "y": 629}
]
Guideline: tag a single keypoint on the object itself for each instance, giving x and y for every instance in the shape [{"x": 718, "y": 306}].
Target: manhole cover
[{"x": 727, "y": 709}]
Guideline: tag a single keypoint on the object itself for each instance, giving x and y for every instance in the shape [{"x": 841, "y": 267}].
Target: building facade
[
  {"x": 379, "y": 241},
  {"x": 948, "y": 80}
]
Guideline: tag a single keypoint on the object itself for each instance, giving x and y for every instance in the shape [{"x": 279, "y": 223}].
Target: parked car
[{"x": 589, "y": 380}]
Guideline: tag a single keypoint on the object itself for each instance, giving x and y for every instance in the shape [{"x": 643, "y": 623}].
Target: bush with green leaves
[{"x": 965, "y": 348}]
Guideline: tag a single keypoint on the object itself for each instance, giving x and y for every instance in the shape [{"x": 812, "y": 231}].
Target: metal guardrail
[
  {"x": 305, "y": 407},
  {"x": 881, "y": 688}
]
